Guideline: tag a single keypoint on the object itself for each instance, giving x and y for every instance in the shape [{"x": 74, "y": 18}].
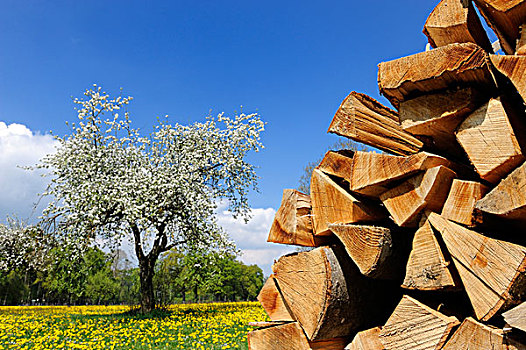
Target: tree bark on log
[
  {"x": 491, "y": 137},
  {"x": 454, "y": 21},
  {"x": 461, "y": 201},
  {"x": 363, "y": 119},
  {"x": 429, "y": 191},
  {"x": 445, "y": 67},
  {"x": 475, "y": 335},
  {"x": 374, "y": 172},
  {"x": 505, "y": 18},
  {"x": 331, "y": 204},
  {"x": 327, "y": 294},
  {"x": 416, "y": 326},
  {"x": 427, "y": 268},
  {"x": 367, "y": 340},
  {"x": 272, "y": 301},
  {"x": 492, "y": 271},
  {"x": 293, "y": 222}
]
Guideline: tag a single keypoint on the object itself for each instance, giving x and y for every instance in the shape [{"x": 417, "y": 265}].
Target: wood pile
[{"x": 422, "y": 244}]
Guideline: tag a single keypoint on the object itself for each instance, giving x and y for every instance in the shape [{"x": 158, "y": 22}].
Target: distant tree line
[{"x": 68, "y": 276}]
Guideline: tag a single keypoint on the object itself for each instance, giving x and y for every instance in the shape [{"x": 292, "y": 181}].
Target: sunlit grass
[{"x": 193, "y": 326}]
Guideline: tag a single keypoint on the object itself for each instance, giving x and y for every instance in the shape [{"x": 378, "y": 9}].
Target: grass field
[{"x": 193, "y": 326}]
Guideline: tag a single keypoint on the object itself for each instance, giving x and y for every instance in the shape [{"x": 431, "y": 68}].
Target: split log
[
  {"x": 293, "y": 222},
  {"x": 442, "y": 68},
  {"x": 374, "y": 172},
  {"x": 513, "y": 68},
  {"x": 521, "y": 42},
  {"x": 289, "y": 336},
  {"x": 461, "y": 201},
  {"x": 505, "y": 18},
  {"x": 492, "y": 271},
  {"x": 327, "y": 295},
  {"x": 434, "y": 117},
  {"x": 371, "y": 249},
  {"x": 272, "y": 301},
  {"x": 266, "y": 324},
  {"x": 363, "y": 119},
  {"x": 507, "y": 199},
  {"x": 331, "y": 204},
  {"x": 338, "y": 163},
  {"x": 454, "y": 21},
  {"x": 424, "y": 191},
  {"x": 490, "y": 137},
  {"x": 475, "y": 335},
  {"x": 366, "y": 340},
  {"x": 516, "y": 317},
  {"x": 427, "y": 268},
  {"x": 416, "y": 326}
]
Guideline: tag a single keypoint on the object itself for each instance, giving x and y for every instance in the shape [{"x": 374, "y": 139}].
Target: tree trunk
[{"x": 146, "y": 273}]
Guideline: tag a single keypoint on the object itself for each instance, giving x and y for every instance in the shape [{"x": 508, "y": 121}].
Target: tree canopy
[{"x": 109, "y": 180}]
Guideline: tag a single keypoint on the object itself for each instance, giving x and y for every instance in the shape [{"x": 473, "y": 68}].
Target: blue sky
[{"x": 293, "y": 62}]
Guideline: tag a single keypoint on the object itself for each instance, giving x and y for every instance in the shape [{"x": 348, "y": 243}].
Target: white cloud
[
  {"x": 251, "y": 238},
  {"x": 19, "y": 188}
]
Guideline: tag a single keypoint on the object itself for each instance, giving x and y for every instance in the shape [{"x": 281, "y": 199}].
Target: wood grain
[
  {"x": 453, "y": 21},
  {"x": 366, "y": 340},
  {"x": 504, "y": 17},
  {"x": 461, "y": 201},
  {"x": 492, "y": 271},
  {"x": 475, "y": 335},
  {"x": 272, "y": 301},
  {"x": 490, "y": 141},
  {"x": 427, "y": 268},
  {"x": 429, "y": 191},
  {"x": 363, "y": 119},
  {"x": 416, "y": 326},
  {"x": 331, "y": 204},
  {"x": 431, "y": 71}
]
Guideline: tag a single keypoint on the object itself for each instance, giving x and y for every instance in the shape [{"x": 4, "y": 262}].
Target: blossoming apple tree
[{"x": 109, "y": 181}]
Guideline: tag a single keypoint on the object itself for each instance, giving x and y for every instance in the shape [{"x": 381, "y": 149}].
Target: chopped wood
[
  {"x": 338, "y": 163},
  {"x": 331, "y": 204},
  {"x": 416, "y": 326},
  {"x": 289, "y": 336},
  {"x": 461, "y": 201},
  {"x": 505, "y": 18},
  {"x": 327, "y": 294},
  {"x": 374, "y": 172},
  {"x": 475, "y": 335},
  {"x": 507, "y": 199},
  {"x": 492, "y": 271},
  {"x": 286, "y": 336},
  {"x": 516, "y": 317},
  {"x": 371, "y": 249},
  {"x": 272, "y": 301},
  {"x": 366, "y": 340},
  {"x": 513, "y": 68},
  {"x": 427, "y": 268},
  {"x": 454, "y": 21},
  {"x": 442, "y": 68},
  {"x": 293, "y": 222},
  {"x": 363, "y": 119},
  {"x": 424, "y": 191},
  {"x": 434, "y": 117},
  {"x": 521, "y": 42},
  {"x": 490, "y": 141}
]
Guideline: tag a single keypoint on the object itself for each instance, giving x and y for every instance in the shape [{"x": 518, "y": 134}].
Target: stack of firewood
[{"x": 422, "y": 246}]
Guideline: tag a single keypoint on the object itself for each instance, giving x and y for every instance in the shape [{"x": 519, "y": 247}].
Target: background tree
[{"x": 162, "y": 189}]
